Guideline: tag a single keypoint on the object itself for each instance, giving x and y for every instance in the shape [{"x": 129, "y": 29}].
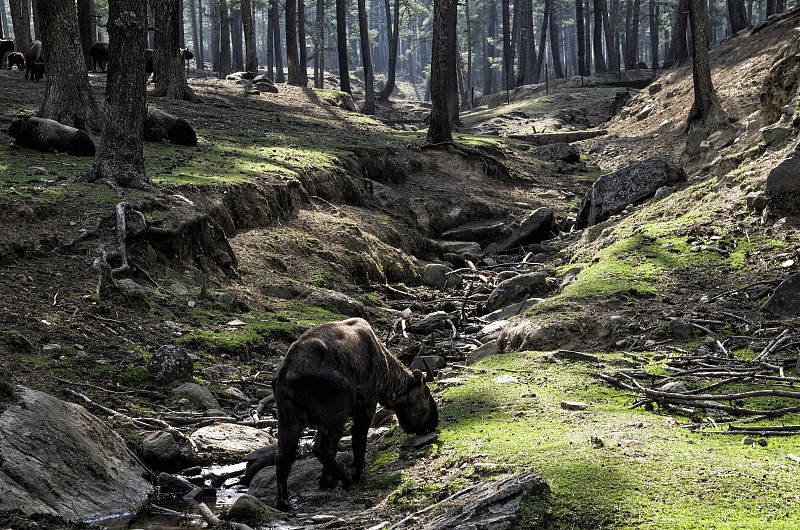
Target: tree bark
[
  {"x": 488, "y": 70},
  {"x": 120, "y": 157},
  {"x": 654, "y": 13},
  {"x": 580, "y": 35},
  {"x": 3, "y": 19},
  {"x": 706, "y": 109},
  {"x": 237, "y": 44},
  {"x": 292, "y": 60},
  {"x": 366, "y": 59},
  {"x": 341, "y": 45},
  {"x": 543, "y": 38},
  {"x": 555, "y": 44},
  {"x": 439, "y": 129},
  {"x": 197, "y": 40},
  {"x": 68, "y": 98},
  {"x": 681, "y": 51},
  {"x": 37, "y": 31},
  {"x": 301, "y": 41},
  {"x": 394, "y": 37},
  {"x": 508, "y": 51},
  {"x": 214, "y": 37},
  {"x": 20, "y": 20},
  {"x": 251, "y": 59},
  {"x": 738, "y": 15},
  {"x": 270, "y": 42},
  {"x": 224, "y": 39},
  {"x": 86, "y": 28},
  {"x": 319, "y": 45},
  {"x": 276, "y": 36},
  {"x": 168, "y": 73},
  {"x": 531, "y": 62},
  {"x": 599, "y": 63},
  {"x": 452, "y": 63},
  {"x": 612, "y": 54}
]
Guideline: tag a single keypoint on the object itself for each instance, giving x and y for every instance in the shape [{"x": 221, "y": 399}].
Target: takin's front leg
[
  {"x": 362, "y": 419},
  {"x": 288, "y": 438},
  {"x": 325, "y": 446}
]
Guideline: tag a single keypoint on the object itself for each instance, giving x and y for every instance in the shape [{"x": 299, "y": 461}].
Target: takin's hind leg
[
  {"x": 288, "y": 438},
  {"x": 325, "y": 446}
]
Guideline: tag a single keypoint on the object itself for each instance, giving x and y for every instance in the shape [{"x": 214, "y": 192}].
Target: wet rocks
[
  {"x": 231, "y": 437},
  {"x": 170, "y": 364},
  {"x": 250, "y": 510},
  {"x": 611, "y": 193},
  {"x": 515, "y": 289}
]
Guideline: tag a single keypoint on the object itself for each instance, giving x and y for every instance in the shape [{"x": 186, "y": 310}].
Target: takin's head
[{"x": 415, "y": 407}]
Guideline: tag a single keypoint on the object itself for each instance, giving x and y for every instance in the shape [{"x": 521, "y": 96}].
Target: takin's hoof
[
  {"x": 283, "y": 505},
  {"x": 326, "y": 482}
]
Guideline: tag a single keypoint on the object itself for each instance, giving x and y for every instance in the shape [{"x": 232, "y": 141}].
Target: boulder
[
  {"x": 436, "y": 321},
  {"x": 558, "y": 151},
  {"x": 250, "y": 510},
  {"x": 434, "y": 361},
  {"x": 479, "y": 231},
  {"x": 258, "y": 460},
  {"x": 515, "y": 289},
  {"x": 231, "y": 437},
  {"x": 785, "y": 300},
  {"x": 170, "y": 364},
  {"x": 783, "y": 184},
  {"x": 58, "y": 459},
  {"x": 159, "y": 449},
  {"x": 534, "y": 228},
  {"x": 611, "y": 193},
  {"x": 197, "y": 395},
  {"x": 462, "y": 248},
  {"x": 438, "y": 276},
  {"x": 775, "y": 133},
  {"x": 509, "y": 311},
  {"x": 304, "y": 476},
  {"x": 338, "y": 302}
]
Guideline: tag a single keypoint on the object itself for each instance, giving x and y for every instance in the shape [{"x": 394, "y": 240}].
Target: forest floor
[{"x": 291, "y": 179}]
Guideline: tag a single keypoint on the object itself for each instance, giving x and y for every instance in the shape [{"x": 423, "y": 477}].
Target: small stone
[
  {"x": 574, "y": 405},
  {"x": 748, "y": 441},
  {"x": 51, "y": 348},
  {"x": 236, "y": 323},
  {"x": 179, "y": 289},
  {"x": 425, "y": 440},
  {"x": 788, "y": 263},
  {"x": 505, "y": 379},
  {"x": 321, "y": 518},
  {"x": 37, "y": 170}
]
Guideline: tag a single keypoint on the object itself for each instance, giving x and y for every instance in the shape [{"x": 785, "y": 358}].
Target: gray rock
[
  {"x": 613, "y": 192},
  {"x": 515, "y": 289},
  {"x": 785, "y": 300},
  {"x": 425, "y": 440},
  {"x": 756, "y": 201},
  {"x": 228, "y": 299},
  {"x": 492, "y": 504},
  {"x": 439, "y": 276},
  {"x": 197, "y": 395},
  {"x": 338, "y": 302},
  {"x": 222, "y": 371},
  {"x": 436, "y": 321},
  {"x": 132, "y": 289},
  {"x": 574, "y": 405},
  {"x": 258, "y": 460},
  {"x": 304, "y": 476},
  {"x": 681, "y": 329},
  {"x": 491, "y": 331},
  {"x": 179, "y": 289},
  {"x": 675, "y": 387},
  {"x": 172, "y": 484},
  {"x": 159, "y": 449},
  {"x": 434, "y": 361},
  {"x": 535, "y": 227},
  {"x": 390, "y": 199},
  {"x": 783, "y": 184},
  {"x": 277, "y": 291},
  {"x": 247, "y": 509},
  {"x": 58, "y": 459},
  {"x": 266, "y": 87},
  {"x": 231, "y": 437},
  {"x": 664, "y": 192},
  {"x": 558, "y": 151},
  {"x": 36, "y": 170},
  {"x": 724, "y": 165},
  {"x": 722, "y": 138},
  {"x": 490, "y": 348},
  {"x": 462, "y": 248},
  {"x": 170, "y": 364},
  {"x": 775, "y": 133},
  {"x": 479, "y": 231}
]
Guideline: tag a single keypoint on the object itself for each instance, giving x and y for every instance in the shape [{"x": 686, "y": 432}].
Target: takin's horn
[{"x": 428, "y": 371}]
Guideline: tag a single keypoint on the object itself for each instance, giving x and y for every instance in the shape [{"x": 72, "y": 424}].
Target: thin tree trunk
[
  {"x": 214, "y": 39},
  {"x": 270, "y": 42},
  {"x": 301, "y": 41},
  {"x": 706, "y": 109},
  {"x": 488, "y": 79},
  {"x": 555, "y": 45},
  {"x": 341, "y": 45},
  {"x": 366, "y": 59},
  {"x": 439, "y": 130},
  {"x": 654, "y": 13},
  {"x": 522, "y": 43},
  {"x": 451, "y": 80},
  {"x": 543, "y": 38},
  {"x": 276, "y": 35},
  {"x": 681, "y": 51},
  {"x": 393, "y": 30},
  {"x": 85, "y": 27},
  {"x": 580, "y": 36},
  {"x": 34, "y": 8},
  {"x": 68, "y": 98},
  {"x": 168, "y": 73},
  {"x": 237, "y": 45},
  {"x": 224, "y": 39},
  {"x": 737, "y": 15},
  {"x": 251, "y": 59},
  {"x": 599, "y": 63},
  {"x": 20, "y": 18},
  {"x": 3, "y": 19},
  {"x": 319, "y": 46},
  {"x": 198, "y": 48},
  {"x": 508, "y": 52},
  {"x": 120, "y": 156},
  {"x": 291, "y": 43}
]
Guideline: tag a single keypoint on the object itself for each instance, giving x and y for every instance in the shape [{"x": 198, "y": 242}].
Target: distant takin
[
  {"x": 16, "y": 59},
  {"x": 34, "y": 61},
  {"x": 49, "y": 135},
  {"x": 158, "y": 126},
  {"x": 99, "y": 54}
]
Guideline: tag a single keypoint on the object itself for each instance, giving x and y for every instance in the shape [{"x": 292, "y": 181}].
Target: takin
[
  {"x": 6, "y": 46},
  {"x": 333, "y": 372},
  {"x": 99, "y": 54},
  {"x": 16, "y": 59},
  {"x": 49, "y": 135},
  {"x": 34, "y": 61},
  {"x": 158, "y": 126}
]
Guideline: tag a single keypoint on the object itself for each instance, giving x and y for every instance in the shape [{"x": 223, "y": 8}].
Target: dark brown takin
[
  {"x": 333, "y": 372},
  {"x": 159, "y": 125},
  {"x": 49, "y": 135}
]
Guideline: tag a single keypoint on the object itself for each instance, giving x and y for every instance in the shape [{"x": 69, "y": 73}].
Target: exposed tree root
[{"x": 492, "y": 167}]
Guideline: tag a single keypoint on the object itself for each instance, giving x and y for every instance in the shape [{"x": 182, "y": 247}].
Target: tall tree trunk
[
  {"x": 3, "y": 19},
  {"x": 292, "y": 61},
  {"x": 120, "y": 156},
  {"x": 168, "y": 73},
  {"x": 580, "y": 36},
  {"x": 770, "y": 7},
  {"x": 197, "y": 37},
  {"x": 628, "y": 37},
  {"x": 439, "y": 130},
  {"x": 214, "y": 38},
  {"x": 224, "y": 39},
  {"x": 555, "y": 45},
  {"x": 532, "y": 64},
  {"x": 706, "y": 110},
  {"x": 20, "y": 19},
  {"x": 393, "y": 30},
  {"x": 366, "y": 59},
  {"x": 412, "y": 75},
  {"x": 543, "y": 38},
  {"x": 237, "y": 45},
  {"x": 341, "y": 45},
  {"x": 181, "y": 27},
  {"x": 270, "y": 42},
  {"x": 251, "y": 61},
  {"x": 301, "y": 41},
  {"x": 634, "y": 47},
  {"x": 654, "y": 13},
  {"x": 488, "y": 72},
  {"x": 37, "y": 32},
  {"x": 453, "y": 61},
  {"x": 86, "y": 28},
  {"x": 522, "y": 43},
  {"x": 599, "y": 63},
  {"x": 276, "y": 35},
  {"x": 737, "y": 15},
  {"x": 587, "y": 40},
  {"x": 508, "y": 52},
  {"x": 68, "y": 98},
  {"x": 681, "y": 51},
  {"x": 608, "y": 30},
  {"x": 319, "y": 46}
]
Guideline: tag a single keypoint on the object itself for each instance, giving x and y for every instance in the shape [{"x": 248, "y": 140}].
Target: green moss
[{"x": 135, "y": 376}]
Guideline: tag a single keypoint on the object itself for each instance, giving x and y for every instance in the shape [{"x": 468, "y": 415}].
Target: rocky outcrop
[
  {"x": 611, "y": 193},
  {"x": 783, "y": 184},
  {"x": 58, "y": 459}
]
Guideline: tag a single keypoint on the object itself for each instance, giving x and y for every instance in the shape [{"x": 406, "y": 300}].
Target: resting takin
[
  {"x": 49, "y": 135},
  {"x": 337, "y": 371}
]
